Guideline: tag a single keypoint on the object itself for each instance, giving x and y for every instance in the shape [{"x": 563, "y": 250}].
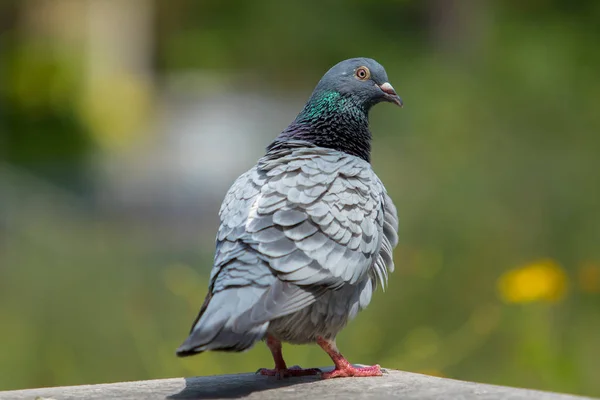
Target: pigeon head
[
  {"x": 363, "y": 80},
  {"x": 337, "y": 114}
]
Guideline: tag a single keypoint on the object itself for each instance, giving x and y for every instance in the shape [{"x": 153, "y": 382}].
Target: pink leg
[
  {"x": 281, "y": 370},
  {"x": 342, "y": 367}
]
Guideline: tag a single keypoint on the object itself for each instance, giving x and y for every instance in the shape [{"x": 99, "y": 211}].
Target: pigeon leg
[
  {"x": 281, "y": 370},
  {"x": 342, "y": 367}
]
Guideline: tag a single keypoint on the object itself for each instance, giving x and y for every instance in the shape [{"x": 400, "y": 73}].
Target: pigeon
[{"x": 306, "y": 235}]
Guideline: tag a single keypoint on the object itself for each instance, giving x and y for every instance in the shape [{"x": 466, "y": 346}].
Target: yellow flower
[
  {"x": 589, "y": 278},
  {"x": 543, "y": 280}
]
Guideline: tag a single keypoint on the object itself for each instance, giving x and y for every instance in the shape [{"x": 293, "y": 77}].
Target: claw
[{"x": 349, "y": 370}]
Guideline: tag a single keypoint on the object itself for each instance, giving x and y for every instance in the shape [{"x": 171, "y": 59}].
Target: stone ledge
[{"x": 394, "y": 384}]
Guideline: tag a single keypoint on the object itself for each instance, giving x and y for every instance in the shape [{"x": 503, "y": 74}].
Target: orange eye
[{"x": 363, "y": 73}]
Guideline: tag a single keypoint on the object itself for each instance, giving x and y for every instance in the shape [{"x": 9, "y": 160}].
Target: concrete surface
[{"x": 394, "y": 384}]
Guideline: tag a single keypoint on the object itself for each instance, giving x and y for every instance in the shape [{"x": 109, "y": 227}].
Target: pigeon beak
[{"x": 390, "y": 94}]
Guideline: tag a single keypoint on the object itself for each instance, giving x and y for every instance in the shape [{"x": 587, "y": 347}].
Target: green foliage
[{"x": 40, "y": 128}]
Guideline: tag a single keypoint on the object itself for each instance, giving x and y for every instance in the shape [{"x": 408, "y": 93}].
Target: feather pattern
[{"x": 305, "y": 238}]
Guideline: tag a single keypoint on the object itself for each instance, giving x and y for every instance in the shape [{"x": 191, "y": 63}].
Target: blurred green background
[{"x": 123, "y": 123}]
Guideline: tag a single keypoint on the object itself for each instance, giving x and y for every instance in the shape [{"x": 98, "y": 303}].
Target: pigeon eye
[{"x": 363, "y": 73}]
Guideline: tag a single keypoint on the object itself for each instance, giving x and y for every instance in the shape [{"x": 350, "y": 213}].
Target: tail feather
[{"x": 215, "y": 328}]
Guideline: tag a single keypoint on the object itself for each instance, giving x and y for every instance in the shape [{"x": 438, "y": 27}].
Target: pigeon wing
[
  {"x": 322, "y": 219},
  {"x": 317, "y": 218}
]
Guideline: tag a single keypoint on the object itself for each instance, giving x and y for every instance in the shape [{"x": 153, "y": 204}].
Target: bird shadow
[{"x": 235, "y": 386}]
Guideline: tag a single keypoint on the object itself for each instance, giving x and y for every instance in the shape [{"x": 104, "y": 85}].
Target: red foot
[
  {"x": 281, "y": 373},
  {"x": 349, "y": 370}
]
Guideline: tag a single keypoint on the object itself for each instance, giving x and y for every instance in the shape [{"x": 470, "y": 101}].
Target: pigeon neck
[{"x": 333, "y": 121}]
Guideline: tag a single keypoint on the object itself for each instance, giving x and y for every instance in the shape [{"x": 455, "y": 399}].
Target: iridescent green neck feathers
[{"x": 331, "y": 120}]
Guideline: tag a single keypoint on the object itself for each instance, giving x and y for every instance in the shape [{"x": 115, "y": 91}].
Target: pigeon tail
[{"x": 217, "y": 326}]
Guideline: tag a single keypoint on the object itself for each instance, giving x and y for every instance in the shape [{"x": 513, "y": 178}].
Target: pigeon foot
[
  {"x": 349, "y": 371},
  {"x": 281, "y": 370},
  {"x": 343, "y": 368}
]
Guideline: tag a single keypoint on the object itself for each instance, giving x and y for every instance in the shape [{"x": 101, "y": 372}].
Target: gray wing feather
[
  {"x": 281, "y": 299},
  {"x": 301, "y": 231},
  {"x": 332, "y": 208},
  {"x": 289, "y": 217}
]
